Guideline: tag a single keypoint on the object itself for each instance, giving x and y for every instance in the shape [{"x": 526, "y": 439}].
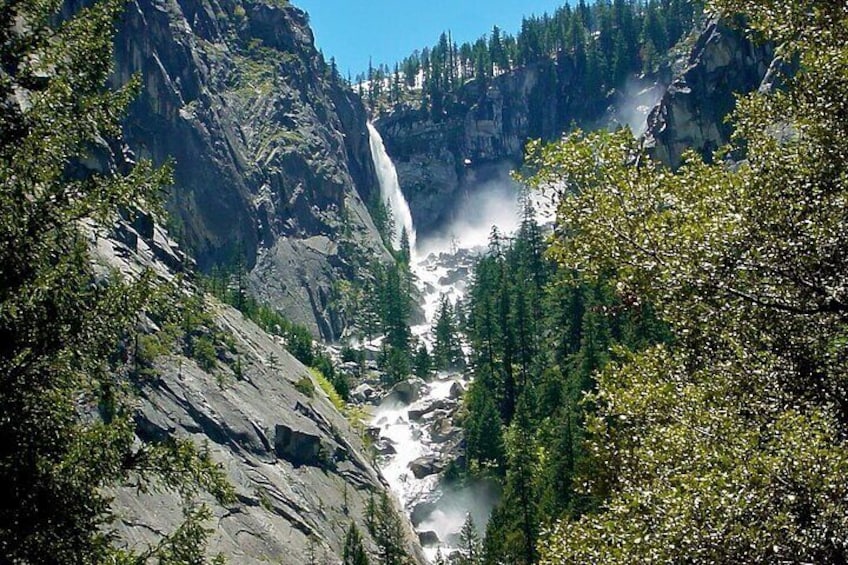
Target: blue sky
[{"x": 388, "y": 30}]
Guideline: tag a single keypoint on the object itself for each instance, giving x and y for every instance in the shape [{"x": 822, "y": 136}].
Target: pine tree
[
  {"x": 395, "y": 304},
  {"x": 520, "y": 501},
  {"x": 404, "y": 253},
  {"x": 334, "y": 71},
  {"x": 386, "y": 528},
  {"x": 447, "y": 350},
  {"x": 484, "y": 447},
  {"x": 354, "y": 552},
  {"x": 67, "y": 438},
  {"x": 556, "y": 495},
  {"x": 372, "y": 86},
  {"x": 422, "y": 364},
  {"x": 471, "y": 548}
]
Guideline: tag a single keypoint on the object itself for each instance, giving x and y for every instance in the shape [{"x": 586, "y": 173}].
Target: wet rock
[
  {"x": 407, "y": 391},
  {"x": 371, "y": 352},
  {"x": 350, "y": 368},
  {"x": 454, "y": 276},
  {"x": 364, "y": 394},
  {"x": 436, "y": 415},
  {"x": 443, "y": 430},
  {"x": 421, "y": 512},
  {"x": 456, "y": 391},
  {"x": 417, "y": 414},
  {"x": 385, "y": 447},
  {"x": 429, "y": 538},
  {"x": 426, "y": 466}
]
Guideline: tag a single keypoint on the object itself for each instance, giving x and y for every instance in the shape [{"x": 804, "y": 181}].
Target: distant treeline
[{"x": 600, "y": 44}]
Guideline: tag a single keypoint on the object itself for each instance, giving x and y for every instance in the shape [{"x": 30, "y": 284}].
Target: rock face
[
  {"x": 300, "y": 471},
  {"x": 407, "y": 391},
  {"x": 426, "y": 466},
  {"x": 691, "y": 114},
  {"x": 272, "y": 162},
  {"x": 437, "y": 160}
]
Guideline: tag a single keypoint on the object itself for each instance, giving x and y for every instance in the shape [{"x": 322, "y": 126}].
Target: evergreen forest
[
  {"x": 583, "y": 51},
  {"x": 660, "y": 375},
  {"x": 665, "y": 372}
]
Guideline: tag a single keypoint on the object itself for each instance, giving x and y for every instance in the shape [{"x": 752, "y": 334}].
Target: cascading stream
[
  {"x": 421, "y": 431},
  {"x": 409, "y": 437}
]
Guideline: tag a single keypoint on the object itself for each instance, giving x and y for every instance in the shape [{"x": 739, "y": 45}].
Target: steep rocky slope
[
  {"x": 301, "y": 472},
  {"x": 691, "y": 114},
  {"x": 272, "y": 162},
  {"x": 487, "y": 125},
  {"x": 438, "y": 162}
]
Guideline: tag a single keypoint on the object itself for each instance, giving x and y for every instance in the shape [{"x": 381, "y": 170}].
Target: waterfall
[
  {"x": 390, "y": 190},
  {"x": 417, "y": 438}
]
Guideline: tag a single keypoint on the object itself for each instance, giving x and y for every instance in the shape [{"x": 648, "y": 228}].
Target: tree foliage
[
  {"x": 386, "y": 529},
  {"x": 726, "y": 444},
  {"x": 447, "y": 348},
  {"x": 354, "y": 552},
  {"x": 66, "y": 430},
  {"x": 471, "y": 549},
  {"x": 582, "y": 52},
  {"x": 538, "y": 333}
]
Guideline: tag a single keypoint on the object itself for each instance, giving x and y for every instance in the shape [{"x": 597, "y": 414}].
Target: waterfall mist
[
  {"x": 635, "y": 103},
  {"x": 494, "y": 202}
]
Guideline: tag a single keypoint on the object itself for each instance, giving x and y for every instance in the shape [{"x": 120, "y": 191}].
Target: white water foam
[
  {"x": 390, "y": 190},
  {"x": 441, "y": 265}
]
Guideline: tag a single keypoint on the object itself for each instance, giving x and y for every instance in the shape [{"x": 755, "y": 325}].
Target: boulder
[
  {"x": 350, "y": 368},
  {"x": 454, "y": 276},
  {"x": 456, "y": 391},
  {"x": 407, "y": 391},
  {"x": 363, "y": 394},
  {"x": 443, "y": 430},
  {"x": 385, "y": 447},
  {"x": 371, "y": 352},
  {"x": 300, "y": 448},
  {"x": 429, "y": 538},
  {"x": 417, "y": 414},
  {"x": 426, "y": 466}
]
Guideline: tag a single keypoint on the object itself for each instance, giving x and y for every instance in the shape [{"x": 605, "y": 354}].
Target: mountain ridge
[{"x": 269, "y": 150}]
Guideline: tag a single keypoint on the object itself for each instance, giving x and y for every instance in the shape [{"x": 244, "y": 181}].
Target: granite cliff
[
  {"x": 271, "y": 156},
  {"x": 271, "y": 166},
  {"x": 690, "y": 115},
  {"x": 301, "y": 471},
  {"x": 487, "y": 125}
]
